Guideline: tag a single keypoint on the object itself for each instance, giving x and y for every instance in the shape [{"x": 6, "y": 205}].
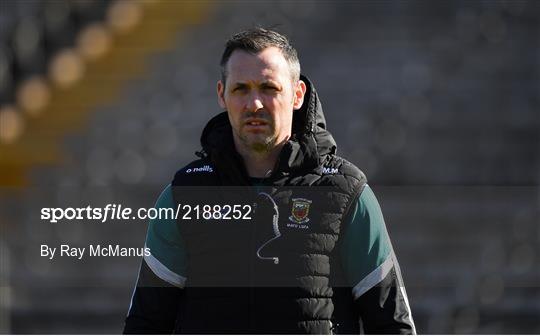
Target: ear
[
  {"x": 299, "y": 92},
  {"x": 220, "y": 94}
]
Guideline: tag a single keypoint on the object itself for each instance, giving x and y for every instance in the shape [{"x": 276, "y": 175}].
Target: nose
[{"x": 254, "y": 103}]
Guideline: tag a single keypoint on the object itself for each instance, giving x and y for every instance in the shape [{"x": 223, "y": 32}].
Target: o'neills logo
[
  {"x": 206, "y": 169},
  {"x": 300, "y": 210}
]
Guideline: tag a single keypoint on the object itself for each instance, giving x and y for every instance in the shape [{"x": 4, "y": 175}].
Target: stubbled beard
[{"x": 264, "y": 146}]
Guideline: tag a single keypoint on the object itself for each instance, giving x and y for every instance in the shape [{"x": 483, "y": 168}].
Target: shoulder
[
  {"x": 165, "y": 198},
  {"x": 349, "y": 170},
  {"x": 163, "y": 237},
  {"x": 365, "y": 235},
  {"x": 162, "y": 227},
  {"x": 198, "y": 172},
  {"x": 368, "y": 205},
  {"x": 343, "y": 173},
  {"x": 167, "y": 257}
]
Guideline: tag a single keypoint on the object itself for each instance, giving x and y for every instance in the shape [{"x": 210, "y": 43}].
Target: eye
[
  {"x": 270, "y": 88},
  {"x": 239, "y": 89}
]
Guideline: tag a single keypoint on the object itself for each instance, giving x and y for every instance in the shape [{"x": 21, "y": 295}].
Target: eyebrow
[
  {"x": 266, "y": 84},
  {"x": 239, "y": 85}
]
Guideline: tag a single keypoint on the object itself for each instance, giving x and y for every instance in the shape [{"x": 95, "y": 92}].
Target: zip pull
[
  {"x": 275, "y": 259},
  {"x": 275, "y": 227}
]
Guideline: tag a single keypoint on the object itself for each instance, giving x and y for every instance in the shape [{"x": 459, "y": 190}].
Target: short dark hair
[{"x": 256, "y": 40}]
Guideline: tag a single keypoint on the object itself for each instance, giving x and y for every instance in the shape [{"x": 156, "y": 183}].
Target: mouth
[
  {"x": 256, "y": 126},
  {"x": 256, "y": 123}
]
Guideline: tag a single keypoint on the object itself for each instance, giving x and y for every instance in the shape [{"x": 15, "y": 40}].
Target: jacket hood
[{"x": 309, "y": 144}]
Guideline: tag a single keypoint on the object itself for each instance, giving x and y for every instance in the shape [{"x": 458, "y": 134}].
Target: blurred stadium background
[{"x": 437, "y": 101}]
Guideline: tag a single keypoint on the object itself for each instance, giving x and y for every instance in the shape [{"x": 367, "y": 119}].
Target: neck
[{"x": 259, "y": 164}]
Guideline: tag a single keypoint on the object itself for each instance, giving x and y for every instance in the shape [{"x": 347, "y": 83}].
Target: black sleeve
[
  {"x": 384, "y": 309},
  {"x": 154, "y": 306}
]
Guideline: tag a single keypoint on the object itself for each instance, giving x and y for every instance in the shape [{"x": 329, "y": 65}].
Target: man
[{"x": 308, "y": 251}]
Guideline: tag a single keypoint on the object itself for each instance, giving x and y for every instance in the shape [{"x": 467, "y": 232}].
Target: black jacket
[{"x": 278, "y": 272}]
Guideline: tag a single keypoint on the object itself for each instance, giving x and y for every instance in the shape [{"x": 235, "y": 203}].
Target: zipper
[
  {"x": 256, "y": 218},
  {"x": 251, "y": 290},
  {"x": 252, "y": 301},
  {"x": 334, "y": 328}
]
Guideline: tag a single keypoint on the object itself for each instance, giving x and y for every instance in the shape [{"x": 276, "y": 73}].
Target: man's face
[{"x": 260, "y": 97}]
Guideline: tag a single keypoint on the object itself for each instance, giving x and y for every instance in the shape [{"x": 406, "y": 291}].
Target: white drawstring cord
[{"x": 275, "y": 220}]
